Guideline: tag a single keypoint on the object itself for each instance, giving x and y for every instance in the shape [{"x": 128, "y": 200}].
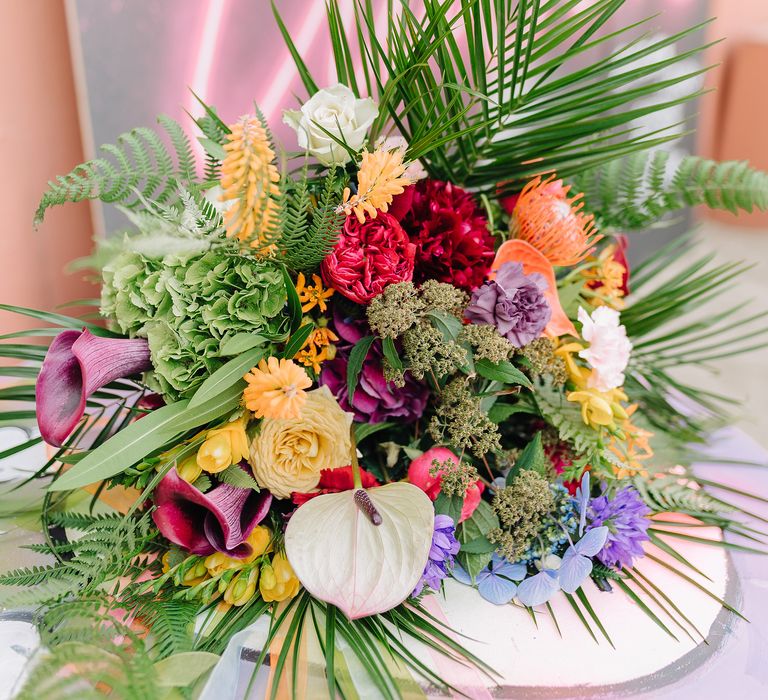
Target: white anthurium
[{"x": 363, "y": 550}]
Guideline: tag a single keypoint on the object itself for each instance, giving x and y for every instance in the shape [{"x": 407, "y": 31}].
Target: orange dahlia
[
  {"x": 554, "y": 223},
  {"x": 276, "y": 389}
]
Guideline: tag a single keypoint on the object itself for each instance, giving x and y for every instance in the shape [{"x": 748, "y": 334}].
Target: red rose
[
  {"x": 368, "y": 257},
  {"x": 451, "y": 235},
  {"x": 334, "y": 481}
]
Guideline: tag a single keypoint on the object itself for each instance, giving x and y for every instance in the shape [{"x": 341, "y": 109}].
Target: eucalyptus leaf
[
  {"x": 355, "y": 364},
  {"x": 297, "y": 340},
  {"x": 240, "y": 343}
]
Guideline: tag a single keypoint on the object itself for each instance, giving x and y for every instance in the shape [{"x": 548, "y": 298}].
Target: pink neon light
[
  {"x": 273, "y": 98},
  {"x": 205, "y": 53}
]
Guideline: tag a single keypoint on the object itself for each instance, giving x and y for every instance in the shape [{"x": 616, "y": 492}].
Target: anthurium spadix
[{"x": 363, "y": 550}]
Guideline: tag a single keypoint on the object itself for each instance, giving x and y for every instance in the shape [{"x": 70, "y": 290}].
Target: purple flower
[
  {"x": 497, "y": 581},
  {"x": 626, "y": 516},
  {"x": 77, "y": 364},
  {"x": 513, "y": 302},
  {"x": 375, "y": 400},
  {"x": 204, "y": 523},
  {"x": 444, "y": 547}
]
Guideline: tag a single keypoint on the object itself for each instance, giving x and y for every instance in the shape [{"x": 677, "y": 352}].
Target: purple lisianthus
[
  {"x": 513, "y": 302},
  {"x": 444, "y": 547},
  {"x": 375, "y": 400},
  {"x": 626, "y": 516}
]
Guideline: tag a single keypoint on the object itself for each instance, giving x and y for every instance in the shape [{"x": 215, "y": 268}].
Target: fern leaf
[
  {"x": 636, "y": 191},
  {"x": 235, "y": 476},
  {"x": 304, "y": 243},
  {"x": 673, "y": 494},
  {"x": 141, "y": 161}
]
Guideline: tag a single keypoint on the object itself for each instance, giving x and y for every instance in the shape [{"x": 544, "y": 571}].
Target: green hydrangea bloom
[{"x": 187, "y": 303}]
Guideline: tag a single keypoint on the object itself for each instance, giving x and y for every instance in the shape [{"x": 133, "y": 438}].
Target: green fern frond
[
  {"x": 141, "y": 161},
  {"x": 171, "y": 623},
  {"x": 309, "y": 232},
  {"x": 637, "y": 191},
  {"x": 675, "y": 495},
  {"x": 235, "y": 476}
]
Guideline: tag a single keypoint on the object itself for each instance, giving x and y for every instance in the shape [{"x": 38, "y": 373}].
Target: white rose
[
  {"x": 609, "y": 348},
  {"x": 338, "y": 111}
]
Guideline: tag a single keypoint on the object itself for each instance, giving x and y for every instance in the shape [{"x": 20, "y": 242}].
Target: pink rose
[
  {"x": 368, "y": 257},
  {"x": 419, "y": 475}
]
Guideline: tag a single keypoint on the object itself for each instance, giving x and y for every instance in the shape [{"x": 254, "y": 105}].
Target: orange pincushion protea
[{"x": 554, "y": 223}]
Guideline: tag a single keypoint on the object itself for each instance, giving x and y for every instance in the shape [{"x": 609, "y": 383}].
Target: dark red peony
[
  {"x": 368, "y": 257},
  {"x": 451, "y": 234}
]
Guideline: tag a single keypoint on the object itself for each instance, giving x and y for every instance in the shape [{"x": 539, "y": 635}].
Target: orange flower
[
  {"x": 606, "y": 279},
  {"x": 634, "y": 449},
  {"x": 381, "y": 176},
  {"x": 317, "y": 348},
  {"x": 553, "y": 223},
  {"x": 311, "y": 296},
  {"x": 249, "y": 179},
  {"x": 276, "y": 389}
]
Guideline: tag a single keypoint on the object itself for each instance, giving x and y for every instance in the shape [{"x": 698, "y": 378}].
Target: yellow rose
[
  {"x": 278, "y": 582},
  {"x": 223, "y": 447},
  {"x": 288, "y": 455},
  {"x": 261, "y": 542}
]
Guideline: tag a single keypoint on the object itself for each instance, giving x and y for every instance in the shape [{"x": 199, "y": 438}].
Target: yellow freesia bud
[
  {"x": 578, "y": 375},
  {"x": 278, "y": 582},
  {"x": 260, "y": 540},
  {"x": 189, "y": 469},
  {"x": 195, "y": 574},
  {"x": 223, "y": 446},
  {"x": 600, "y": 408},
  {"x": 242, "y": 587}
]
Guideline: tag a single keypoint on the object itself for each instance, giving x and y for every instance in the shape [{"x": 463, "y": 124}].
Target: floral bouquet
[{"x": 411, "y": 350}]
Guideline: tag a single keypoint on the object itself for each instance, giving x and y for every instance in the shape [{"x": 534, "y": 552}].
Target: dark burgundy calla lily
[
  {"x": 77, "y": 364},
  {"x": 203, "y": 523}
]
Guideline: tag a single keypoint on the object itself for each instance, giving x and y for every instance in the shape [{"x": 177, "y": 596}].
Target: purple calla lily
[
  {"x": 77, "y": 364},
  {"x": 203, "y": 523}
]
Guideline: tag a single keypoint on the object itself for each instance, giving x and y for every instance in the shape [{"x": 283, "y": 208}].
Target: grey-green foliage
[
  {"x": 309, "y": 225},
  {"x": 142, "y": 165},
  {"x": 186, "y": 300},
  {"x": 638, "y": 190}
]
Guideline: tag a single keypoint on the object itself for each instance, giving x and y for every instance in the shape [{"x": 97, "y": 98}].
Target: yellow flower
[
  {"x": 223, "y": 446},
  {"x": 260, "y": 540},
  {"x": 311, "y": 296},
  {"x": 288, "y": 455},
  {"x": 278, "y": 582},
  {"x": 577, "y": 374},
  {"x": 242, "y": 587},
  {"x": 189, "y": 469},
  {"x": 276, "y": 389},
  {"x": 599, "y": 408},
  {"x": 249, "y": 179},
  {"x": 381, "y": 176}
]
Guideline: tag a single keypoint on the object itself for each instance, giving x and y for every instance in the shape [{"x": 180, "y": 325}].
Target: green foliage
[
  {"x": 106, "y": 550},
  {"x": 675, "y": 495},
  {"x": 566, "y": 417},
  {"x": 143, "y": 167},
  {"x": 532, "y": 457},
  {"x": 309, "y": 230},
  {"x": 636, "y": 191},
  {"x": 474, "y": 530},
  {"x": 235, "y": 476},
  {"x": 489, "y": 92}
]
